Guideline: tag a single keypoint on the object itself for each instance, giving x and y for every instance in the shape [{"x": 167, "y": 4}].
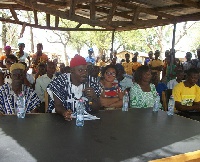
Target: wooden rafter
[
  {"x": 48, "y": 20},
  {"x": 72, "y": 8},
  {"x": 56, "y": 21},
  {"x": 13, "y": 13},
  {"x": 136, "y": 14},
  {"x": 189, "y": 3},
  {"x": 92, "y": 10},
  {"x": 112, "y": 11},
  {"x": 35, "y": 17}
]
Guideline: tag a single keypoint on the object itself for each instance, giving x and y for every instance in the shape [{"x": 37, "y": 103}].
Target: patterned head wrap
[
  {"x": 17, "y": 66},
  {"x": 7, "y": 48}
]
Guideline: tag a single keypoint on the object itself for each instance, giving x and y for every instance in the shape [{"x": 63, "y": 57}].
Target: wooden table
[{"x": 136, "y": 135}]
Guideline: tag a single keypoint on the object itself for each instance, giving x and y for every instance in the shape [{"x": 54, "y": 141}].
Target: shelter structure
[{"x": 112, "y": 15}]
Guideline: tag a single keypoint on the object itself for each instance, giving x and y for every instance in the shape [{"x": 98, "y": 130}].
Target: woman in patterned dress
[
  {"x": 112, "y": 94},
  {"x": 142, "y": 93}
]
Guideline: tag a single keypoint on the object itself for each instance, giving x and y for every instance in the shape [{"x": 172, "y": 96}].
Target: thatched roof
[{"x": 106, "y": 14}]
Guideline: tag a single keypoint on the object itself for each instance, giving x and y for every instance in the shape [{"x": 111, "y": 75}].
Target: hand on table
[{"x": 67, "y": 115}]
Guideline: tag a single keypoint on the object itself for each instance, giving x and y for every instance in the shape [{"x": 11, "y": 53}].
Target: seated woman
[
  {"x": 143, "y": 92},
  {"x": 112, "y": 95}
]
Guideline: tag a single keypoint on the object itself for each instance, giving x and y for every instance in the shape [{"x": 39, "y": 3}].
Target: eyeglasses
[
  {"x": 111, "y": 73},
  {"x": 9, "y": 62}
]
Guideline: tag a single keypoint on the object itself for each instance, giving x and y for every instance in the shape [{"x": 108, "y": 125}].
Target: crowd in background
[{"x": 102, "y": 82}]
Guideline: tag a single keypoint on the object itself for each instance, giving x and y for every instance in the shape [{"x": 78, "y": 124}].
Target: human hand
[
  {"x": 67, "y": 115},
  {"x": 90, "y": 93}
]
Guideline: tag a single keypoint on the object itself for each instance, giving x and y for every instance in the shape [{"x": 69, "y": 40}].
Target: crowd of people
[{"x": 101, "y": 84}]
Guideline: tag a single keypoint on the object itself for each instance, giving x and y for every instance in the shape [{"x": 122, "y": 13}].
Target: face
[
  {"x": 146, "y": 76},
  {"x": 7, "y": 51},
  {"x": 188, "y": 57},
  {"x": 17, "y": 76},
  {"x": 110, "y": 75},
  {"x": 9, "y": 62},
  {"x": 150, "y": 55},
  {"x": 80, "y": 72},
  {"x": 21, "y": 47},
  {"x": 127, "y": 57},
  {"x": 193, "y": 78},
  {"x": 39, "y": 48},
  {"x": 51, "y": 68},
  {"x": 180, "y": 76},
  {"x": 157, "y": 55},
  {"x": 42, "y": 70}
]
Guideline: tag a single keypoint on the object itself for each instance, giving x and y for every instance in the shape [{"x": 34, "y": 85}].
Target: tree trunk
[
  {"x": 4, "y": 31},
  {"x": 65, "y": 55}
]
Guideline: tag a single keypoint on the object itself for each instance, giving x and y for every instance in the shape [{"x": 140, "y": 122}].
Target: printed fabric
[
  {"x": 68, "y": 93},
  {"x": 8, "y": 99}
]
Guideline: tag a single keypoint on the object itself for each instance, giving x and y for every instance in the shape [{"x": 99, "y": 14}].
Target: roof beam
[
  {"x": 189, "y": 3},
  {"x": 35, "y": 17},
  {"x": 72, "y": 8},
  {"x": 136, "y": 15},
  {"x": 13, "y": 13},
  {"x": 64, "y": 15},
  {"x": 52, "y": 28},
  {"x": 146, "y": 10},
  {"x": 92, "y": 10},
  {"x": 56, "y": 21},
  {"x": 112, "y": 11}
]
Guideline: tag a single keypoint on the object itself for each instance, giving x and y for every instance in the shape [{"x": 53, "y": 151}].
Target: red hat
[{"x": 77, "y": 61}]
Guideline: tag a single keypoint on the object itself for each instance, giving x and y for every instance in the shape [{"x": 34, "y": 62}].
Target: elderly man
[
  {"x": 9, "y": 92},
  {"x": 66, "y": 90}
]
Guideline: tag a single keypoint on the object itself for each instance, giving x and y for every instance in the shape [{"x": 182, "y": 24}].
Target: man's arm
[{"x": 61, "y": 110}]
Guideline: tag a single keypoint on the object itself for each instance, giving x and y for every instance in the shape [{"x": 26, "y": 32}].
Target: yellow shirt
[
  {"x": 128, "y": 67},
  {"x": 136, "y": 65},
  {"x": 186, "y": 95},
  {"x": 101, "y": 64},
  {"x": 156, "y": 63}
]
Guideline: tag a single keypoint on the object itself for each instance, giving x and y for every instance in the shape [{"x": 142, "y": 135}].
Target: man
[
  {"x": 9, "y": 92},
  {"x": 150, "y": 54},
  {"x": 90, "y": 58},
  {"x": 136, "y": 64},
  {"x": 188, "y": 63},
  {"x": 187, "y": 94},
  {"x": 41, "y": 70},
  {"x": 67, "y": 89},
  {"x": 179, "y": 77},
  {"x": 43, "y": 81},
  {"x": 128, "y": 65},
  {"x": 38, "y": 57},
  {"x": 156, "y": 64}
]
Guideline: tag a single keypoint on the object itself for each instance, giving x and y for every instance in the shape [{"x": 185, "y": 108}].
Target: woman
[
  {"x": 142, "y": 93},
  {"x": 112, "y": 94},
  {"x": 21, "y": 55}
]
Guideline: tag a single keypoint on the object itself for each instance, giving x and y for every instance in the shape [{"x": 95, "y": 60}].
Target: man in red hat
[{"x": 66, "y": 90}]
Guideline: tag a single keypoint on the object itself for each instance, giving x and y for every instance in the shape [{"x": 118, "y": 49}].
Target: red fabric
[{"x": 77, "y": 61}]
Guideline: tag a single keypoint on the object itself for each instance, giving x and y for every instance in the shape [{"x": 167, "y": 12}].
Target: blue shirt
[
  {"x": 90, "y": 59},
  {"x": 161, "y": 87}
]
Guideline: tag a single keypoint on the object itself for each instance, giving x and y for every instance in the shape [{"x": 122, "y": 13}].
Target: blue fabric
[
  {"x": 7, "y": 99},
  {"x": 61, "y": 88},
  {"x": 161, "y": 87},
  {"x": 90, "y": 59}
]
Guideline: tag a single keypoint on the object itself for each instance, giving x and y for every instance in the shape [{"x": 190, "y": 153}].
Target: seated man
[
  {"x": 66, "y": 90},
  {"x": 42, "y": 83},
  {"x": 187, "y": 94},
  {"x": 9, "y": 92}
]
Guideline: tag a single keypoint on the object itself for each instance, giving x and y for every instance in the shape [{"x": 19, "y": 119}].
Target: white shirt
[
  {"x": 41, "y": 85},
  {"x": 171, "y": 84},
  {"x": 30, "y": 78}
]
